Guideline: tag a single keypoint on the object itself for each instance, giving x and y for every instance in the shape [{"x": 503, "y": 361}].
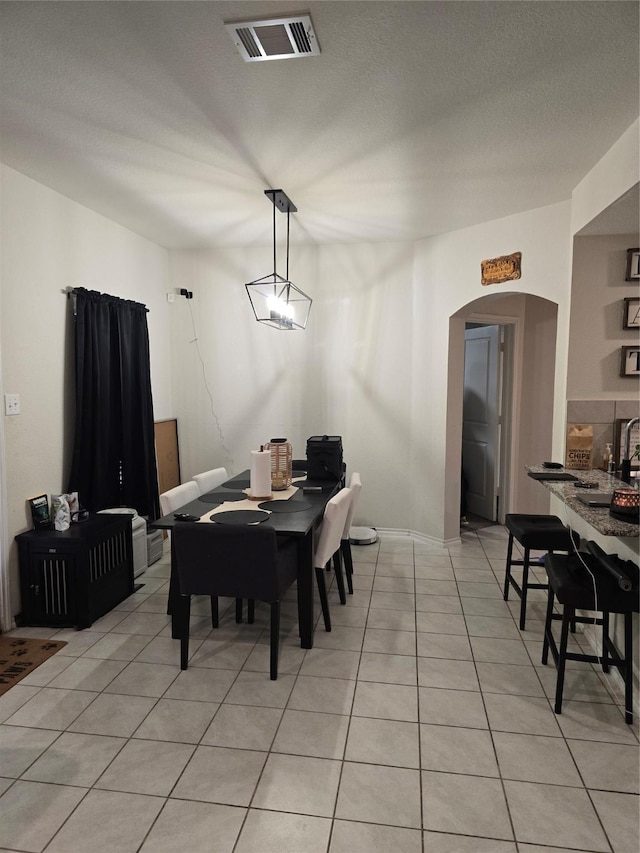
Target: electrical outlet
[{"x": 12, "y": 404}]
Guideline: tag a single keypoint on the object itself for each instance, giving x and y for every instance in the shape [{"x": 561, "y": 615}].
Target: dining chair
[
  {"x": 333, "y": 522},
  {"x": 355, "y": 484},
  {"x": 208, "y": 480},
  {"x": 180, "y": 495},
  {"x": 246, "y": 561}
]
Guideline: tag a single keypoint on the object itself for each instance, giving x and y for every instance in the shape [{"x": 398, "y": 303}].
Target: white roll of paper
[{"x": 260, "y": 479}]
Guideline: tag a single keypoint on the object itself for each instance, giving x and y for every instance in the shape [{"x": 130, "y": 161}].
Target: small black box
[{"x": 324, "y": 458}]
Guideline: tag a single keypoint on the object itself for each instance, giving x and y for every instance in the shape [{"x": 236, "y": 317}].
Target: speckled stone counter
[{"x": 598, "y": 517}]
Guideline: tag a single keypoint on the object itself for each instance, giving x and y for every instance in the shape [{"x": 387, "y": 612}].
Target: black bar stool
[
  {"x": 534, "y": 533},
  {"x": 600, "y": 583}
]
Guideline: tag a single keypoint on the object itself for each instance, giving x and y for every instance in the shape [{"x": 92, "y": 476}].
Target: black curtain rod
[{"x": 73, "y": 291}]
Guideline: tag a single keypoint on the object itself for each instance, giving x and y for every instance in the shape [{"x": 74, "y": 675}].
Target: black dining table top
[{"x": 295, "y": 523}]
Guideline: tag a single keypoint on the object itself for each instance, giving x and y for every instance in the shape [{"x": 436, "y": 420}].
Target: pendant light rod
[{"x": 284, "y": 204}]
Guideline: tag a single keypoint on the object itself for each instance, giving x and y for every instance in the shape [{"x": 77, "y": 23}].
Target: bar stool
[
  {"x": 597, "y": 582},
  {"x": 533, "y": 532}
]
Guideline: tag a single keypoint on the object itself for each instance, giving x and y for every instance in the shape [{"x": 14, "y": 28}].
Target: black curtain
[{"x": 114, "y": 462}]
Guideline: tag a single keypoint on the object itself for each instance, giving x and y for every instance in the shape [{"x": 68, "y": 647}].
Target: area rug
[{"x": 20, "y": 655}]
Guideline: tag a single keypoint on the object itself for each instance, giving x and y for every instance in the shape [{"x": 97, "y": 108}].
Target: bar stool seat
[
  {"x": 533, "y": 532},
  {"x": 585, "y": 583}
]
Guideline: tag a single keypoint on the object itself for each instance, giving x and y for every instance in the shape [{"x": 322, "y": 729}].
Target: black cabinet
[{"x": 75, "y": 576}]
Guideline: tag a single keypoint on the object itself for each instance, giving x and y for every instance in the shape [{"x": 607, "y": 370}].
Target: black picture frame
[
  {"x": 631, "y": 317},
  {"x": 630, "y": 361},
  {"x": 633, "y": 265}
]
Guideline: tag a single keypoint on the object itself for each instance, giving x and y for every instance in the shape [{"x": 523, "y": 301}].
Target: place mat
[
  {"x": 235, "y": 484},
  {"x": 298, "y": 475},
  {"x": 239, "y": 516},
  {"x": 19, "y": 656},
  {"x": 218, "y": 497},
  {"x": 281, "y": 495},
  {"x": 284, "y": 506}
]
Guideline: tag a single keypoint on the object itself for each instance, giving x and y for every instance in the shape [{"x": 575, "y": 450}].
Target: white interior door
[{"x": 481, "y": 420}]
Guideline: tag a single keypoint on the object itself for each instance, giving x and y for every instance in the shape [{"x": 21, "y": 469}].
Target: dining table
[{"x": 297, "y": 516}]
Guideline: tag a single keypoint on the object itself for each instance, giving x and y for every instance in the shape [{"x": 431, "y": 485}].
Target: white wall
[
  {"x": 610, "y": 178},
  {"x": 597, "y": 293},
  {"x": 372, "y": 365},
  {"x": 447, "y": 278},
  {"x": 48, "y": 244},
  {"x": 348, "y": 374}
]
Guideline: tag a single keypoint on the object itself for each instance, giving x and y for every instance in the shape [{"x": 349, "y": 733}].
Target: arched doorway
[{"x": 527, "y": 389}]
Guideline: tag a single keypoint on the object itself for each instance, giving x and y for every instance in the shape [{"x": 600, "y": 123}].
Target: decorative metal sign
[{"x": 504, "y": 268}]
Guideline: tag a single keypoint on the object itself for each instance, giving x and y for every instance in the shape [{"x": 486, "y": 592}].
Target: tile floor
[{"x": 420, "y": 724}]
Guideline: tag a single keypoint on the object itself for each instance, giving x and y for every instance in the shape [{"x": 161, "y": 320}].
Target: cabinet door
[{"x": 49, "y": 589}]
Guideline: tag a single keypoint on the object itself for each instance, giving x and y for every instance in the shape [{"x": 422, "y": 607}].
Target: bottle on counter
[{"x": 606, "y": 457}]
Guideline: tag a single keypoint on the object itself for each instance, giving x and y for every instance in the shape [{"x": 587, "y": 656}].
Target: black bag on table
[{"x": 324, "y": 458}]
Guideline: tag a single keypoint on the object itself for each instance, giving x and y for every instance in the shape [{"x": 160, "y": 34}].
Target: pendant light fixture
[{"x": 275, "y": 300}]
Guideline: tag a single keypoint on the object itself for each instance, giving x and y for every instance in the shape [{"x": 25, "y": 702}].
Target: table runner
[{"x": 232, "y": 506}]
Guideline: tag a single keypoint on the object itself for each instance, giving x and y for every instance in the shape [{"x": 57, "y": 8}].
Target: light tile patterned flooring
[{"x": 420, "y": 724}]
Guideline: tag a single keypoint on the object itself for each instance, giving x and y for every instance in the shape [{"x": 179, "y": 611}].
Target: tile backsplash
[{"x": 602, "y": 415}]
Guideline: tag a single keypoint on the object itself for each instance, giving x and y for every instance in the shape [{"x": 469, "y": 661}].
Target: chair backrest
[
  {"x": 237, "y": 561},
  {"x": 335, "y": 515},
  {"x": 180, "y": 495},
  {"x": 208, "y": 480},
  {"x": 355, "y": 484}
]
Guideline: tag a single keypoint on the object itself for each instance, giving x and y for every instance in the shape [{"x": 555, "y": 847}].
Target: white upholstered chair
[
  {"x": 208, "y": 480},
  {"x": 333, "y": 522},
  {"x": 173, "y": 499},
  {"x": 355, "y": 484}
]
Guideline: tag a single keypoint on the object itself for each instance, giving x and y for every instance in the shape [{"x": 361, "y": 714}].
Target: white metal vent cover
[{"x": 274, "y": 38}]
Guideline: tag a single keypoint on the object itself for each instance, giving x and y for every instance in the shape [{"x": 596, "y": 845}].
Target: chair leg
[
  {"x": 345, "y": 548},
  {"x": 324, "y": 602},
  {"x": 507, "y": 570},
  {"x": 251, "y": 610},
  {"x": 215, "y": 621},
  {"x": 238, "y": 610},
  {"x": 184, "y": 612},
  {"x": 605, "y": 659},
  {"x": 523, "y": 596},
  {"x": 567, "y": 617},
  {"x": 547, "y": 627},
  {"x": 275, "y": 639},
  {"x": 337, "y": 567},
  {"x": 628, "y": 668}
]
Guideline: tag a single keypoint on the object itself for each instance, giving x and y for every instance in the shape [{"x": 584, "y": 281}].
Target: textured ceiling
[{"x": 416, "y": 119}]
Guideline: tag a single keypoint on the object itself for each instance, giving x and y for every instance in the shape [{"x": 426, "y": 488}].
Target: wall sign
[
  {"x": 631, "y": 318},
  {"x": 633, "y": 265},
  {"x": 630, "y": 361},
  {"x": 504, "y": 268}
]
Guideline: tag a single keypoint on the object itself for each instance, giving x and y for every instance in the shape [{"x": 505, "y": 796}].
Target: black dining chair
[{"x": 237, "y": 561}]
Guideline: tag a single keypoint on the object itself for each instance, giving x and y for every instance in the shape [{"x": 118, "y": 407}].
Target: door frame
[{"x": 509, "y": 390}]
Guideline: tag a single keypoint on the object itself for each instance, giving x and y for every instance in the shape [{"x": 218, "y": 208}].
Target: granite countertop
[{"x": 598, "y": 517}]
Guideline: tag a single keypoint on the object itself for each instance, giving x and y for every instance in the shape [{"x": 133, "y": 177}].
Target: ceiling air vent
[{"x": 274, "y": 38}]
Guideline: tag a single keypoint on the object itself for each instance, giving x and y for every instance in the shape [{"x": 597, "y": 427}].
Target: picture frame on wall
[
  {"x": 631, "y": 318},
  {"x": 634, "y": 439},
  {"x": 630, "y": 361},
  {"x": 633, "y": 265}
]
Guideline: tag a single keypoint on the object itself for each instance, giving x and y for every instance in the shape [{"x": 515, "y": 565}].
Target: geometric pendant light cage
[{"x": 275, "y": 300}]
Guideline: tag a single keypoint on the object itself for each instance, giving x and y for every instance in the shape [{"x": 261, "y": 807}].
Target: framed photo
[
  {"x": 631, "y": 319},
  {"x": 634, "y": 437},
  {"x": 633, "y": 265},
  {"x": 630, "y": 361}
]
